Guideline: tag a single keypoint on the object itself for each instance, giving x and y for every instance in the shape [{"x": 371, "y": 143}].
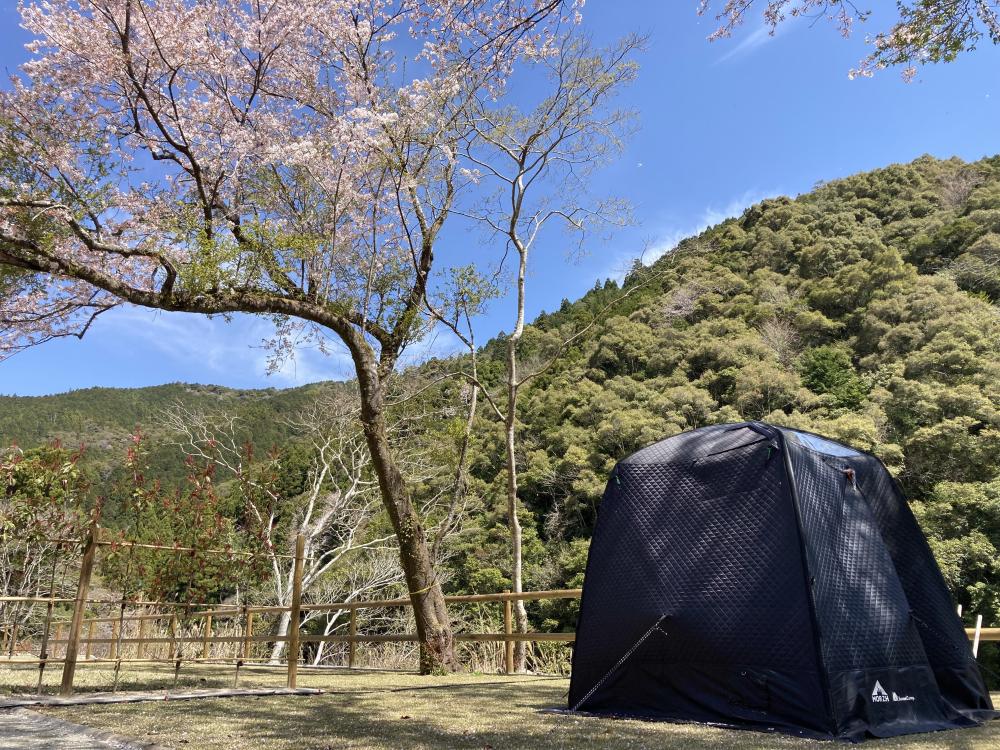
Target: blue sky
[{"x": 723, "y": 125}]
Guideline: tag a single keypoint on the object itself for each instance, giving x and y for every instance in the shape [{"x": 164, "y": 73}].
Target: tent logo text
[
  {"x": 878, "y": 694},
  {"x": 897, "y": 698}
]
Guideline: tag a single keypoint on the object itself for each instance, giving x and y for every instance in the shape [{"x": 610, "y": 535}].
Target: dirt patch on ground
[{"x": 21, "y": 729}]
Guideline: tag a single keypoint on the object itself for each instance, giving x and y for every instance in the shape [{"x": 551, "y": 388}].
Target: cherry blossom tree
[
  {"x": 927, "y": 31},
  {"x": 294, "y": 160}
]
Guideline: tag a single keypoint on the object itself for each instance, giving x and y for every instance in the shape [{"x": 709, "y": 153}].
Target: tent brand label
[{"x": 878, "y": 694}]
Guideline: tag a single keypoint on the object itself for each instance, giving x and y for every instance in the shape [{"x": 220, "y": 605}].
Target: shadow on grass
[
  {"x": 458, "y": 716},
  {"x": 91, "y": 677},
  {"x": 482, "y": 714}
]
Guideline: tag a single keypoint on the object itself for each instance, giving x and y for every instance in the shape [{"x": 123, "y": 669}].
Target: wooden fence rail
[
  {"x": 79, "y": 632},
  {"x": 204, "y": 640}
]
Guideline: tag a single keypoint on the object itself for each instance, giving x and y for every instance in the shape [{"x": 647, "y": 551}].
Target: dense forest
[
  {"x": 101, "y": 418},
  {"x": 865, "y": 310}
]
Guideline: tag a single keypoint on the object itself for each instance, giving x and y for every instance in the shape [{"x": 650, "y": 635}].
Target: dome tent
[{"x": 760, "y": 577}]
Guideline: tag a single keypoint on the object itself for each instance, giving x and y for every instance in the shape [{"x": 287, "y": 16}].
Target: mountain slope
[{"x": 865, "y": 310}]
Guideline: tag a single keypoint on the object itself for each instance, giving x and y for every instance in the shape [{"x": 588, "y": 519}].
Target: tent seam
[{"x": 810, "y": 589}]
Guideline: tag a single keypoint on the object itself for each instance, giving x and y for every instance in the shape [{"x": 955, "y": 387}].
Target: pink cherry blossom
[{"x": 175, "y": 148}]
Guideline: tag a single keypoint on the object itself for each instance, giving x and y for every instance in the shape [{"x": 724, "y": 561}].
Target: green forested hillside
[
  {"x": 101, "y": 419},
  {"x": 865, "y": 310}
]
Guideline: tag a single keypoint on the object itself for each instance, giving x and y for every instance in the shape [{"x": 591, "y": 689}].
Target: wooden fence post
[
  {"x": 248, "y": 639},
  {"x": 113, "y": 646},
  {"x": 508, "y": 628},
  {"x": 76, "y": 625},
  {"x": 247, "y": 643},
  {"x": 293, "y": 622},
  {"x": 43, "y": 654},
  {"x": 207, "y": 633},
  {"x": 244, "y": 647},
  {"x": 175, "y": 647},
  {"x": 352, "y": 646},
  {"x": 90, "y": 637},
  {"x": 140, "y": 647}
]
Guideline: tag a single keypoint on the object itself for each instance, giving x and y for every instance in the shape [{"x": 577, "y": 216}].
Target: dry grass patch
[
  {"x": 392, "y": 710},
  {"x": 99, "y": 677}
]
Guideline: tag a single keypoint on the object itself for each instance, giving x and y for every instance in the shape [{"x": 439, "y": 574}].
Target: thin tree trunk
[
  {"x": 462, "y": 471},
  {"x": 278, "y": 650},
  {"x": 331, "y": 624},
  {"x": 437, "y": 648},
  {"x": 320, "y": 649},
  {"x": 517, "y": 564},
  {"x": 461, "y": 486}
]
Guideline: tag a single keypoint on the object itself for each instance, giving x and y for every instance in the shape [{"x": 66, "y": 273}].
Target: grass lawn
[{"x": 393, "y": 710}]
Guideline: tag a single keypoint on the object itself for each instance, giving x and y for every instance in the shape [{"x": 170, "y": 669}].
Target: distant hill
[{"x": 102, "y": 419}]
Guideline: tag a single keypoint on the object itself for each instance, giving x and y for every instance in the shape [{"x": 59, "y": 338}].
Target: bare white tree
[
  {"x": 333, "y": 512},
  {"x": 682, "y": 301},
  {"x": 373, "y": 571},
  {"x": 956, "y": 187},
  {"x": 782, "y": 338},
  {"x": 24, "y": 566},
  {"x": 560, "y": 142}
]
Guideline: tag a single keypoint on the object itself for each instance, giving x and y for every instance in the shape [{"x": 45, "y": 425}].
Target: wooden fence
[
  {"x": 120, "y": 648},
  {"x": 130, "y": 640},
  {"x": 80, "y": 631}
]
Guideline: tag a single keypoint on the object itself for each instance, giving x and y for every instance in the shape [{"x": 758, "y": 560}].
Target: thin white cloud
[
  {"x": 756, "y": 38},
  {"x": 437, "y": 343},
  {"x": 753, "y": 41},
  {"x": 224, "y": 349},
  {"x": 709, "y": 217},
  {"x": 668, "y": 237}
]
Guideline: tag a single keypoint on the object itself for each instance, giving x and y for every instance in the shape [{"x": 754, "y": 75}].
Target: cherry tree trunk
[{"x": 437, "y": 648}]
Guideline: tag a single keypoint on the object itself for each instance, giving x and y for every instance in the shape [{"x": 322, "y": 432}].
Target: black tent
[{"x": 760, "y": 577}]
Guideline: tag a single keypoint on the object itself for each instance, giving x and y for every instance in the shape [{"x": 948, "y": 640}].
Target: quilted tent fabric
[{"x": 746, "y": 575}]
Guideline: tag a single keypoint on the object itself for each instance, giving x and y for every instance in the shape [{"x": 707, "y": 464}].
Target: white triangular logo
[{"x": 878, "y": 694}]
